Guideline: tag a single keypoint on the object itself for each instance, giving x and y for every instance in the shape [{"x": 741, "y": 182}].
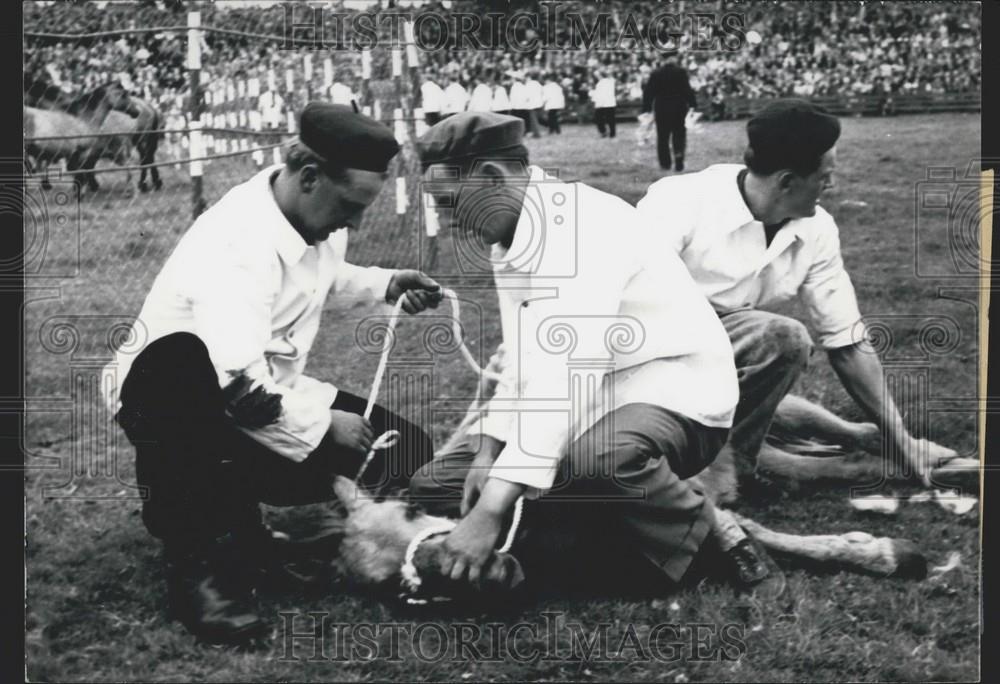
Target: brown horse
[
  {"x": 74, "y": 128},
  {"x": 138, "y": 132}
]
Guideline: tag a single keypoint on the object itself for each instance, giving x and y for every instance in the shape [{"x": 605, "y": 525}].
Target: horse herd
[{"x": 106, "y": 122}]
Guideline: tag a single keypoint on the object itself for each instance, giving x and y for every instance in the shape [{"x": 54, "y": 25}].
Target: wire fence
[{"x": 231, "y": 128}]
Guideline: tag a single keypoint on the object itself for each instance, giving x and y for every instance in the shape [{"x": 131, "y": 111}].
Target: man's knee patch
[{"x": 791, "y": 339}]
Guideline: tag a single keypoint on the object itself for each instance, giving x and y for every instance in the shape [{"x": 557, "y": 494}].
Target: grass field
[{"x": 95, "y": 591}]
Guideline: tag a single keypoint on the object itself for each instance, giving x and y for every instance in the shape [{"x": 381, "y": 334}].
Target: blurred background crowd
[{"x": 792, "y": 48}]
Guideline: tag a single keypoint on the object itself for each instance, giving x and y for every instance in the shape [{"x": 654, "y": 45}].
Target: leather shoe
[
  {"x": 752, "y": 570},
  {"x": 211, "y": 603}
]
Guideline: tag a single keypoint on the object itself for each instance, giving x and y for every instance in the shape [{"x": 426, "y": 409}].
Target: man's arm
[
  {"x": 231, "y": 300},
  {"x": 688, "y": 90},
  {"x": 832, "y": 304},
  {"x": 860, "y": 371}
]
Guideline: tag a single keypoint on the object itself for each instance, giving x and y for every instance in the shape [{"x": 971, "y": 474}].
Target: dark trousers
[
  {"x": 620, "y": 493},
  {"x": 432, "y": 117},
  {"x": 770, "y": 351},
  {"x": 536, "y": 125},
  {"x": 205, "y": 477},
  {"x": 670, "y": 132},
  {"x": 605, "y": 119},
  {"x": 553, "y": 121},
  {"x": 530, "y": 119}
]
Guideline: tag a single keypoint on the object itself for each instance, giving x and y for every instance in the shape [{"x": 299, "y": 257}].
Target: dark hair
[
  {"x": 298, "y": 156},
  {"x": 801, "y": 165}
]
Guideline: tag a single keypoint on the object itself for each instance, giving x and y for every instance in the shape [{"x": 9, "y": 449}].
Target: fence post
[{"x": 195, "y": 149}]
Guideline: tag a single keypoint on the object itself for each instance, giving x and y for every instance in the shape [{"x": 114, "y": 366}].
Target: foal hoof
[{"x": 143, "y": 187}]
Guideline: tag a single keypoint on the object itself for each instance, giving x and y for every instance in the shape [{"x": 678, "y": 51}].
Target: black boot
[
  {"x": 752, "y": 570},
  {"x": 747, "y": 567},
  {"x": 209, "y": 596}
]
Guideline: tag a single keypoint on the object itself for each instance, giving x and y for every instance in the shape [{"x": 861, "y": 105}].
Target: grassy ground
[{"x": 95, "y": 591}]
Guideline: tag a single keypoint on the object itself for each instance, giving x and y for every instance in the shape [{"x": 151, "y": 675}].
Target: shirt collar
[
  {"x": 738, "y": 214},
  {"x": 526, "y": 249},
  {"x": 287, "y": 241}
]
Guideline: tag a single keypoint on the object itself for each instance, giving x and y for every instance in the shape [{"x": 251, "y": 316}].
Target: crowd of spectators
[{"x": 805, "y": 49}]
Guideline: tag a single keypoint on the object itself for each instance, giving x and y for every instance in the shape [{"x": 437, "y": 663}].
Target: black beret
[
  {"x": 341, "y": 136},
  {"x": 790, "y": 134},
  {"x": 467, "y": 134}
]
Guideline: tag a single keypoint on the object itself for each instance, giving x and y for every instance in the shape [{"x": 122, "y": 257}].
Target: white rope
[
  {"x": 391, "y": 437},
  {"x": 410, "y": 576}
]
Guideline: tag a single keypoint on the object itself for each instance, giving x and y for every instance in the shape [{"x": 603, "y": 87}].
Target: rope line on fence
[
  {"x": 230, "y": 131},
  {"x": 185, "y": 160},
  {"x": 160, "y": 29}
]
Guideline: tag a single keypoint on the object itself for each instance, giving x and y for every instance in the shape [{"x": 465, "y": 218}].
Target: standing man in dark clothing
[{"x": 669, "y": 95}]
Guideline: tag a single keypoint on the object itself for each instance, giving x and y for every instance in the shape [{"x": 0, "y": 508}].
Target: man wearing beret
[
  {"x": 605, "y": 478},
  {"x": 216, "y": 401},
  {"x": 754, "y": 236}
]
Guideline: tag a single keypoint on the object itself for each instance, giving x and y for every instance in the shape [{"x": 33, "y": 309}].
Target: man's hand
[
  {"x": 924, "y": 455},
  {"x": 467, "y": 547},
  {"x": 479, "y": 471},
  {"x": 250, "y": 408},
  {"x": 418, "y": 291},
  {"x": 351, "y": 431}
]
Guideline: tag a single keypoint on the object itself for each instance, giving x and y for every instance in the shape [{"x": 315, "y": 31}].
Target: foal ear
[{"x": 349, "y": 493}]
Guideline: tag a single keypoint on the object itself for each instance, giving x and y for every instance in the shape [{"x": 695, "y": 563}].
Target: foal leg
[
  {"x": 860, "y": 551},
  {"x": 801, "y": 418}
]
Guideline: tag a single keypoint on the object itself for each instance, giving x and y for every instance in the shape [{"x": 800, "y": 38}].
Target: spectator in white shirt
[
  {"x": 215, "y": 398},
  {"x": 482, "y": 95},
  {"x": 341, "y": 91},
  {"x": 663, "y": 401},
  {"x": 456, "y": 97},
  {"x": 520, "y": 99},
  {"x": 501, "y": 102},
  {"x": 431, "y": 99},
  {"x": 272, "y": 109},
  {"x": 555, "y": 102},
  {"x": 755, "y": 236},
  {"x": 605, "y": 103}
]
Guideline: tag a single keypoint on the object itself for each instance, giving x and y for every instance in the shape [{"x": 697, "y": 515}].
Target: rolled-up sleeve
[
  {"x": 230, "y": 303},
  {"x": 828, "y": 294}
]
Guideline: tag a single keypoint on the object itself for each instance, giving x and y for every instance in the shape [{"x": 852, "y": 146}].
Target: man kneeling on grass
[
  {"x": 608, "y": 481},
  {"x": 216, "y": 402},
  {"x": 754, "y": 236}
]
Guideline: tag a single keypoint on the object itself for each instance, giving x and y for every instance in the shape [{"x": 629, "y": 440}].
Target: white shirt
[
  {"x": 501, "y": 103},
  {"x": 341, "y": 94},
  {"x": 244, "y": 281},
  {"x": 582, "y": 295},
  {"x": 703, "y": 218},
  {"x": 431, "y": 96},
  {"x": 455, "y": 99},
  {"x": 482, "y": 98},
  {"x": 553, "y": 96},
  {"x": 272, "y": 109},
  {"x": 519, "y": 97},
  {"x": 603, "y": 93},
  {"x": 535, "y": 94}
]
